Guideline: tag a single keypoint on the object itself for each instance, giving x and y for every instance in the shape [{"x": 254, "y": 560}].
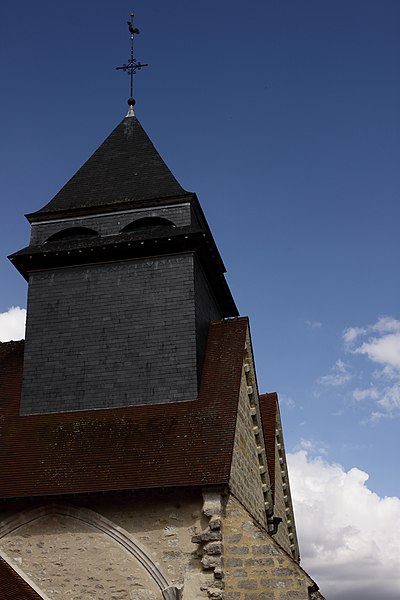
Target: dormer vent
[
  {"x": 72, "y": 233},
  {"x": 148, "y": 222}
]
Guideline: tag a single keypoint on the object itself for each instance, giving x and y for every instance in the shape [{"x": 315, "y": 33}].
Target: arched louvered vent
[
  {"x": 148, "y": 222},
  {"x": 72, "y": 233}
]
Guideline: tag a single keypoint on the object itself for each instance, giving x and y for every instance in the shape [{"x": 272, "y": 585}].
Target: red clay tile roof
[
  {"x": 11, "y": 359},
  {"x": 269, "y": 408},
  {"x": 12, "y": 586},
  {"x": 149, "y": 446}
]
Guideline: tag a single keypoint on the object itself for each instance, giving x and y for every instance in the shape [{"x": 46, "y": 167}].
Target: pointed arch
[{"x": 100, "y": 523}]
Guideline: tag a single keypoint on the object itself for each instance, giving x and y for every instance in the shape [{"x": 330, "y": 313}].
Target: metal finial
[{"x": 132, "y": 65}]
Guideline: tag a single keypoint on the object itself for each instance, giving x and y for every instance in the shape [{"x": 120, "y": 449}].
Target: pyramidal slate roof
[{"x": 124, "y": 169}]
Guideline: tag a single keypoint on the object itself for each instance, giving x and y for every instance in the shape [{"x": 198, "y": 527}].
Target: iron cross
[{"x": 132, "y": 65}]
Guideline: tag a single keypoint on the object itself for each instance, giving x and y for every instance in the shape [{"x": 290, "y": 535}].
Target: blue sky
[{"x": 283, "y": 116}]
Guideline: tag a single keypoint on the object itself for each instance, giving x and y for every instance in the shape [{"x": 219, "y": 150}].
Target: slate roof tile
[{"x": 126, "y": 167}]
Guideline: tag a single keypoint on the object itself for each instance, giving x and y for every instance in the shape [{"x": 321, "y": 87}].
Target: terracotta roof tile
[
  {"x": 269, "y": 408},
  {"x": 149, "y": 446},
  {"x": 12, "y": 586},
  {"x": 11, "y": 358}
]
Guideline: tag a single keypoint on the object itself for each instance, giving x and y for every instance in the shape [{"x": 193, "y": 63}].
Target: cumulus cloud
[
  {"x": 352, "y": 333},
  {"x": 384, "y": 350},
  {"x": 339, "y": 375},
  {"x": 12, "y": 324},
  {"x": 348, "y": 534},
  {"x": 311, "y": 447},
  {"x": 386, "y": 324},
  {"x": 380, "y": 344}
]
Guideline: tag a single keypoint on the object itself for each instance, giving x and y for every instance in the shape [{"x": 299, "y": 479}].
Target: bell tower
[{"x": 124, "y": 278}]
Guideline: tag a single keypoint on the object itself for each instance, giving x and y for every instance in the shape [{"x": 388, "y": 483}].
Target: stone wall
[
  {"x": 249, "y": 477},
  {"x": 245, "y": 481},
  {"x": 171, "y": 545},
  {"x": 282, "y": 535},
  {"x": 68, "y": 559},
  {"x": 131, "y": 548},
  {"x": 255, "y": 566},
  {"x": 286, "y": 535}
]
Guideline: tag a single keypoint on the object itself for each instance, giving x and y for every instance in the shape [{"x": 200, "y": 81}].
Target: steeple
[
  {"x": 124, "y": 280},
  {"x": 125, "y": 171}
]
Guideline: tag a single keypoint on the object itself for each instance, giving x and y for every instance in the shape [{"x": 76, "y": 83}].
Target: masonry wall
[
  {"x": 283, "y": 506},
  {"x": 245, "y": 481},
  {"x": 68, "y": 559},
  {"x": 280, "y": 506},
  {"x": 114, "y": 334},
  {"x": 71, "y": 560},
  {"x": 255, "y": 566},
  {"x": 204, "y": 544}
]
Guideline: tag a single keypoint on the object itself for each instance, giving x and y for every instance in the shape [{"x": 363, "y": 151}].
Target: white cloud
[
  {"x": 339, "y": 375},
  {"x": 390, "y": 399},
  {"x": 314, "y": 324},
  {"x": 375, "y": 417},
  {"x": 311, "y": 447},
  {"x": 370, "y": 393},
  {"x": 386, "y": 324},
  {"x": 384, "y": 350},
  {"x": 380, "y": 344},
  {"x": 348, "y": 534},
  {"x": 12, "y": 324},
  {"x": 352, "y": 333}
]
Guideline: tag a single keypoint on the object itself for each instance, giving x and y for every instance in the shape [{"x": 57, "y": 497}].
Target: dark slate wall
[
  {"x": 112, "y": 335},
  {"x": 111, "y": 224},
  {"x": 206, "y": 310}
]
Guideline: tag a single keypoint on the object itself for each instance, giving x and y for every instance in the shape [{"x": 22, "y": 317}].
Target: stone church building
[{"x": 138, "y": 460}]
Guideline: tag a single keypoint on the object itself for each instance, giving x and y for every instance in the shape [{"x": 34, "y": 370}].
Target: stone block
[
  {"x": 234, "y": 562},
  {"x": 247, "y": 584},
  {"x": 213, "y": 548},
  {"x": 260, "y": 596}
]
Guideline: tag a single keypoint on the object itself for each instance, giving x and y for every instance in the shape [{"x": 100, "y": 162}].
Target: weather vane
[{"x": 132, "y": 65}]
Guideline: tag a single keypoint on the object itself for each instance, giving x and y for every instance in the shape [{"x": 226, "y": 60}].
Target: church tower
[
  {"x": 124, "y": 277},
  {"x": 138, "y": 459}
]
